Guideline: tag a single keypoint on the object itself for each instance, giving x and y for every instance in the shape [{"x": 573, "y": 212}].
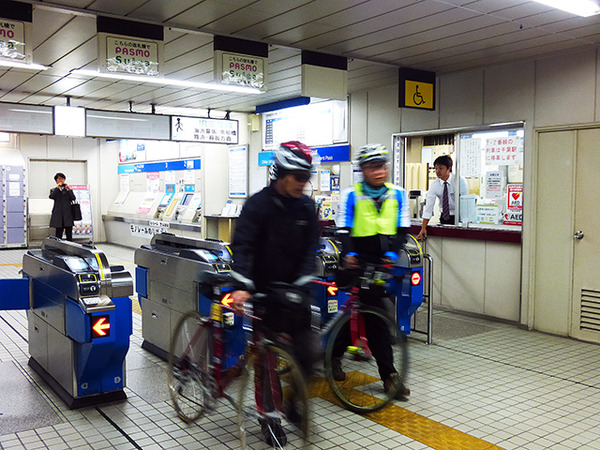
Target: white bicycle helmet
[
  {"x": 373, "y": 153},
  {"x": 291, "y": 156}
]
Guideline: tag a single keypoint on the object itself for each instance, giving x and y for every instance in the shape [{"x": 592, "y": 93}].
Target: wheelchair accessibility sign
[
  {"x": 418, "y": 95},
  {"x": 416, "y": 89}
]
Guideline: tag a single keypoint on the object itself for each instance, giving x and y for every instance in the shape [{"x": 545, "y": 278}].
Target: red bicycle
[
  {"x": 198, "y": 379},
  {"x": 362, "y": 391}
]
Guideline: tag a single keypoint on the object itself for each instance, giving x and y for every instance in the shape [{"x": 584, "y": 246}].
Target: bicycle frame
[{"x": 357, "y": 326}]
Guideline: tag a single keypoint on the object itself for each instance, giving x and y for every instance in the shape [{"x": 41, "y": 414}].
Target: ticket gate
[
  {"x": 408, "y": 289},
  {"x": 327, "y": 298},
  {"x": 171, "y": 280},
  {"x": 80, "y": 320}
]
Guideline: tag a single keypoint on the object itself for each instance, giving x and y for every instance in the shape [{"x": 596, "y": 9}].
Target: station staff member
[{"x": 444, "y": 189}]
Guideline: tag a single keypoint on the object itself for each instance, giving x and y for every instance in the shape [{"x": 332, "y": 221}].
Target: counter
[
  {"x": 496, "y": 233},
  {"x": 476, "y": 269}
]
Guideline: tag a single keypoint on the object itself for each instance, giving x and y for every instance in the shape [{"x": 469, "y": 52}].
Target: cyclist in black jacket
[{"x": 275, "y": 240}]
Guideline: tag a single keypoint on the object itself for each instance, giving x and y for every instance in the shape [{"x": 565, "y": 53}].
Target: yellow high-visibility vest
[{"x": 370, "y": 222}]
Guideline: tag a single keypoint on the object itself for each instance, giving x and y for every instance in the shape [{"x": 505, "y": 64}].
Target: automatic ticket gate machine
[
  {"x": 327, "y": 298},
  {"x": 170, "y": 281},
  {"x": 409, "y": 290},
  {"x": 80, "y": 320}
]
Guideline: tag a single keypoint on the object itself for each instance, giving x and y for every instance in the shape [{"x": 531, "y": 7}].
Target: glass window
[
  {"x": 488, "y": 171},
  {"x": 492, "y": 164}
]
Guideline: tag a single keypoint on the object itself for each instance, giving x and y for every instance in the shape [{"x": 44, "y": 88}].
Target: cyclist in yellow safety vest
[{"x": 376, "y": 215}]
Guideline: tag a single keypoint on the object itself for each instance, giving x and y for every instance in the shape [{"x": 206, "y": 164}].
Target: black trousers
[
  {"x": 378, "y": 335},
  {"x": 68, "y": 231},
  {"x": 450, "y": 221}
]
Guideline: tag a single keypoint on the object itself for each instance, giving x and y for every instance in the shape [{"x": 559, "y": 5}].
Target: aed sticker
[
  {"x": 332, "y": 306},
  {"x": 418, "y": 94}
]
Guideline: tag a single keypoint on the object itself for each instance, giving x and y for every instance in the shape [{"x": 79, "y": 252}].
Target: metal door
[{"x": 585, "y": 314}]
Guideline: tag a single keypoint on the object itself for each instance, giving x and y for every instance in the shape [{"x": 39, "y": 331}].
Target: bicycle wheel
[
  {"x": 189, "y": 376},
  {"x": 362, "y": 390},
  {"x": 285, "y": 414}
]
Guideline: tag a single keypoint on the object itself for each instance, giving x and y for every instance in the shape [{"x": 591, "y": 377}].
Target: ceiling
[{"x": 377, "y": 36}]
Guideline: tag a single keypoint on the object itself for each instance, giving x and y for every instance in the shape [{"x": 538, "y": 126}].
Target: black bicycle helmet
[{"x": 373, "y": 153}]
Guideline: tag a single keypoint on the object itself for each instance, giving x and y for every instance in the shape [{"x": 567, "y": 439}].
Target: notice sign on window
[
  {"x": 514, "y": 207},
  {"x": 503, "y": 151}
]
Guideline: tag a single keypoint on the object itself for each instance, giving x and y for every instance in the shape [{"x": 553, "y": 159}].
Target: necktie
[{"x": 445, "y": 203}]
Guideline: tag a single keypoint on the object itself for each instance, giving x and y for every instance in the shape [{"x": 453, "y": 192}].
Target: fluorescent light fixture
[
  {"x": 167, "y": 82},
  {"x": 4, "y": 137},
  {"x": 583, "y": 8},
  {"x": 69, "y": 121},
  {"x": 116, "y": 118},
  {"x": 21, "y": 65}
]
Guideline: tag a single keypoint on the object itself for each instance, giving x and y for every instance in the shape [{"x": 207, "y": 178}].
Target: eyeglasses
[
  {"x": 374, "y": 167},
  {"x": 301, "y": 177}
]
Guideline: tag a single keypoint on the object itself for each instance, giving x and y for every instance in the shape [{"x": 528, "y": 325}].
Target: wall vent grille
[{"x": 590, "y": 310}]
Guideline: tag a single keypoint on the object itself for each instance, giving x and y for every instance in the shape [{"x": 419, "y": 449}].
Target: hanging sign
[
  {"x": 198, "y": 129},
  {"x": 131, "y": 56},
  {"x": 12, "y": 40},
  {"x": 416, "y": 89},
  {"x": 240, "y": 62},
  {"x": 242, "y": 70}
]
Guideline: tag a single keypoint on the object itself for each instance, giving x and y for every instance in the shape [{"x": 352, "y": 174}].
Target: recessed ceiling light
[
  {"x": 21, "y": 65},
  {"x": 583, "y": 8},
  {"x": 167, "y": 82}
]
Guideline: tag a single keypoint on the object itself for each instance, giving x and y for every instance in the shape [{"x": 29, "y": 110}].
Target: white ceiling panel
[{"x": 377, "y": 36}]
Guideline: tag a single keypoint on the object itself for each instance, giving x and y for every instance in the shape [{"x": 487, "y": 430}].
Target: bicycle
[
  {"x": 361, "y": 391},
  {"x": 198, "y": 377}
]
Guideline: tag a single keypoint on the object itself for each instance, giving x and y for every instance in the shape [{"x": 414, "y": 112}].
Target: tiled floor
[{"x": 506, "y": 386}]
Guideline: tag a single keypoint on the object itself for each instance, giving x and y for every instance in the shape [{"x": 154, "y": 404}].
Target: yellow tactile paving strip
[
  {"x": 12, "y": 264},
  {"x": 410, "y": 424},
  {"x": 135, "y": 306}
]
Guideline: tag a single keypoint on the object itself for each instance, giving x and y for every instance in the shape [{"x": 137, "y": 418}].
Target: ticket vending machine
[
  {"x": 190, "y": 209},
  {"x": 162, "y": 206},
  {"x": 79, "y": 321},
  {"x": 171, "y": 209}
]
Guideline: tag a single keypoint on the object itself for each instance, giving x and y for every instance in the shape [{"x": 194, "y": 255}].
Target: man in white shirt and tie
[{"x": 444, "y": 188}]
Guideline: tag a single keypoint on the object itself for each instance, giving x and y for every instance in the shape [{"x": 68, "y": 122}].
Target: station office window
[{"x": 491, "y": 161}]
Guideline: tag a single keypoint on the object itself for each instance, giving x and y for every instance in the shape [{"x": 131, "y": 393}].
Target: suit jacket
[{"x": 61, "y": 212}]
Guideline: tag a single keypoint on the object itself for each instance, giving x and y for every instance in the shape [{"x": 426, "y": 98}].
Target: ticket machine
[
  {"x": 79, "y": 321},
  {"x": 190, "y": 210},
  {"x": 171, "y": 208},
  {"x": 162, "y": 206}
]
